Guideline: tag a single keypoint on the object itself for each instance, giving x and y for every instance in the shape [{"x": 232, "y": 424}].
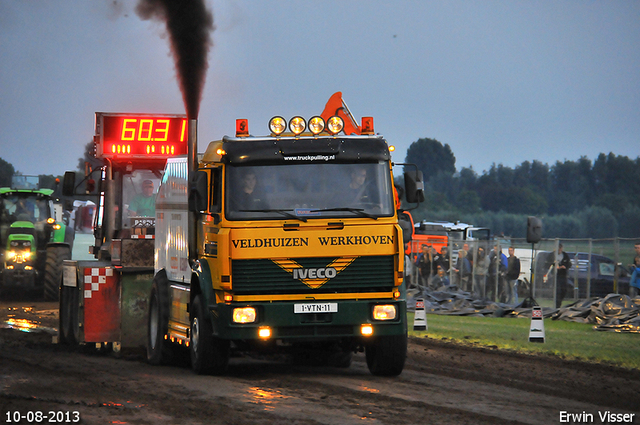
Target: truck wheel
[
  {"x": 69, "y": 323},
  {"x": 386, "y": 355},
  {"x": 53, "y": 271},
  {"x": 159, "y": 350},
  {"x": 209, "y": 355}
]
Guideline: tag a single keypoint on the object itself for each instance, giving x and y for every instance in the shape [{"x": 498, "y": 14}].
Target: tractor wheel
[
  {"x": 69, "y": 318},
  {"x": 386, "y": 355},
  {"x": 159, "y": 349},
  {"x": 209, "y": 355},
  {"x": 53, "y": 271}
]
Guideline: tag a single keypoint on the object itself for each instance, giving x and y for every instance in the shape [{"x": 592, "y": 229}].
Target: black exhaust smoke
[{"x": 189, "y": 25}]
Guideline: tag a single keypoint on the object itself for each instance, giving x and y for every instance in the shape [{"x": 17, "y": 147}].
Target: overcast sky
[{"x": 500, "y": 81}]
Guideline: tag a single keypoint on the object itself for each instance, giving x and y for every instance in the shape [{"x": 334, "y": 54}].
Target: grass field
[{"x": 564, "y": 339}]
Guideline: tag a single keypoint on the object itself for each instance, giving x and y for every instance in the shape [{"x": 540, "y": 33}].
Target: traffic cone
[
  {"x": 536, "y": 331},
  {"x": 420, "y": 317}
]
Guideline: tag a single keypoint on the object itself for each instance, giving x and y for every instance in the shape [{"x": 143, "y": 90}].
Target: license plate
[{"x": 316, "y": 308}]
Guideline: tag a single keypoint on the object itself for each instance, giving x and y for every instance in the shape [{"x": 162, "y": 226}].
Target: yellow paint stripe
[{"x": 315, "y": 297}]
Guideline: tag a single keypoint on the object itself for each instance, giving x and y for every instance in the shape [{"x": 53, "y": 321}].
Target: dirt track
[{"x": 443, "y": 383}]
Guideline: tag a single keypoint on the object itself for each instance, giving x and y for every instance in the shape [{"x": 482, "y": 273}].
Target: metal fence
[{"x": 595, "y": 268}]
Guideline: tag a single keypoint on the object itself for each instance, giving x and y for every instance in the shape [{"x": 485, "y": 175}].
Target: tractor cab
[{"x": 28, "y": 228}]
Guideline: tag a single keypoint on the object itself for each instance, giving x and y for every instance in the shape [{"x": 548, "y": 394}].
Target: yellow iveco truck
[{"x": 288, "y": 241}]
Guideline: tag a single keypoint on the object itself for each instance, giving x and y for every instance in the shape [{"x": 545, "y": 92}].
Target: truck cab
[{"x": 298, "y": 247}]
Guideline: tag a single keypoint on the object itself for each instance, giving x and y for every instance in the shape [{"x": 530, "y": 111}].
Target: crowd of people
[
  {"x": 487, "y": 276},
  {"x": 493, "y": 276}
]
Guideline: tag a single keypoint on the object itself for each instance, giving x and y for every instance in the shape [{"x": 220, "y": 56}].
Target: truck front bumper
[{"x": 310, "y": 321}]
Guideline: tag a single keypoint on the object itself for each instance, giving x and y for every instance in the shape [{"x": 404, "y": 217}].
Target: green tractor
[{"x": 33, "y": 243}]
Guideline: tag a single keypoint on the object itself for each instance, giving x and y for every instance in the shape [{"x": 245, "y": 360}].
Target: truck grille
[{"x": 364, "y": 274}]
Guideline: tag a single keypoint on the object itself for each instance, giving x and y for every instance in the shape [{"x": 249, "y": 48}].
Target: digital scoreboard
[{"x": 140, "y": 136}]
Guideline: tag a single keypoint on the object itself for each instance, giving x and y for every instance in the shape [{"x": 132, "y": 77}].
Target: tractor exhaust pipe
[{"x": 192, "y": 167}]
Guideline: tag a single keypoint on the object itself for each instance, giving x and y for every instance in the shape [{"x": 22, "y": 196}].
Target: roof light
[
  {"x": 367, "y": 125},
  {"x": 277, "y": 125},
  {"x": 242, "y": 127},
  {"x": 316, "y": 125},
  {"x": 297, "y": 125},
  {"x": 335, "y": 124}
]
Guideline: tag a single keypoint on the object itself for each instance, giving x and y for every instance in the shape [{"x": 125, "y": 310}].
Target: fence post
[
  {"x": 616, "y": 247},
  {"x": 576, "y": 281},
  {"x": 555, "y": 271},
  {"x": 589, "y": 269}
]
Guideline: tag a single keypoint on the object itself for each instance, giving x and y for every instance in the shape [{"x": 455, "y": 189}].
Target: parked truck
[{"x": 285, "y": 241}]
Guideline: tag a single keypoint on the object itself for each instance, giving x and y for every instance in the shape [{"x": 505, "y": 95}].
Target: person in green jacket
[{"x": 144, "y": 205}]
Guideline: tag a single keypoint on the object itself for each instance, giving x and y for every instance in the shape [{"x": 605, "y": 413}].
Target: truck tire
[
  {"x": 53, "y": 271},
  {"x": 159, "y": 350},
  {"x": 209, "y": 355},
  {"x": 386, "y": 355},
  {"x": 69, "y": 318}
]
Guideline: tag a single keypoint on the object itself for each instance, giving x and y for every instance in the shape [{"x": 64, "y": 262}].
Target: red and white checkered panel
[
  {"x": 93, "y": 277},
  {"x": 101, "y": 305}
]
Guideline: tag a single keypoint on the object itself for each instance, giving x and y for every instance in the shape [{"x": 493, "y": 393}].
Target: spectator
[
  {"x": 562, "y": 264},
  {"x": 440, "y": 279},
  {"x": 634, "y": 283},
  {"x": 424, "y": 263},
  {"x": 480, "y": 270},
  {"x": 443, "y": 259},
  {"x": 497, "y": 271},
  {"x": 408, "y": 269},
  {"x": 463, "y": 270},
  {"x": 513, "y": 273}
]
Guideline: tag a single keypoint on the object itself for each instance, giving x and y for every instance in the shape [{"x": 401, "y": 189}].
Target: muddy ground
[{"x": 443, "y": 383}]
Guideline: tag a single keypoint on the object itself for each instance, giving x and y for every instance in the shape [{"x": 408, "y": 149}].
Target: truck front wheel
[
  {"x": 386, "y": 355},
  {"x": 159, "y": 350},
  {"x": 209, "y": 355}
]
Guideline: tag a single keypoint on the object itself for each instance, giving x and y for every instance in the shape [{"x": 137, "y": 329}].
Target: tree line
[
  {"x": 7, "y": 171},
  {"x": 574, "y": 199}
]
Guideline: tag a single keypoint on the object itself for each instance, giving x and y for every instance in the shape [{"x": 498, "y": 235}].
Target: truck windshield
[
  {"x": 139, "y": 189},
  {"x": 308, "y": 191}
]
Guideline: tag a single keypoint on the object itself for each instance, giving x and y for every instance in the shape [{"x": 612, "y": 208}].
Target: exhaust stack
[{"x": 192, "y": 167}]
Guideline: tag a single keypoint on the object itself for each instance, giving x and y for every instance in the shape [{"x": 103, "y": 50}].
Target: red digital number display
[{"x": 141, "y": 136}]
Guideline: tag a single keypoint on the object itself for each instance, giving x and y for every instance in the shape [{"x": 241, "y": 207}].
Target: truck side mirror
[
  {"x": 198, "y": 199},
  {"x": 68, "y": 183},
  {"x": 414, "y": 186},
  {"x": 406, "y": 224}
]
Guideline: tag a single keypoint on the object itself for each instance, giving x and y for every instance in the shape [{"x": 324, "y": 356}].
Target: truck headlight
[
  {"x": 11, "y": 255},
  {"x": 244, "y": 315},
  {"x": 384, "y": 312}
]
